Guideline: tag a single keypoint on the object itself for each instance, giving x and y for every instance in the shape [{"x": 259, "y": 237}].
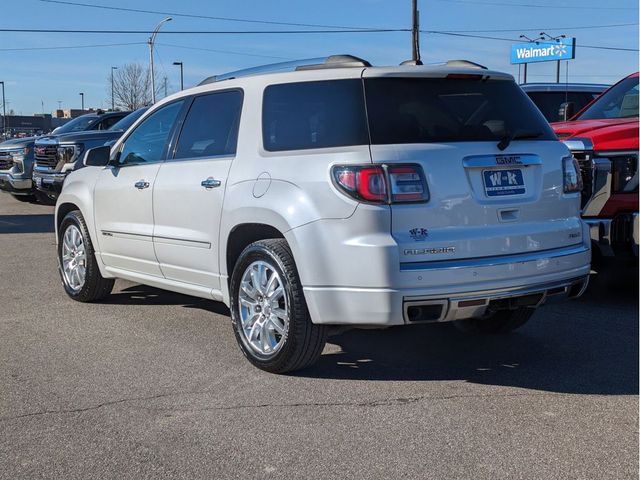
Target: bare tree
[{"x": 131, "y": 87}]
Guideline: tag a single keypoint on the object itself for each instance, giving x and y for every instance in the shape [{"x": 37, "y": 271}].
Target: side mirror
[
  {"x": 566, "y": 111},
  {"x": 97, "y": 157}
]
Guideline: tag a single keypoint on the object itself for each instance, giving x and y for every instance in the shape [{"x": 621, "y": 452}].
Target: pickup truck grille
[
  {"x": 6, "y": 160},
  {"x": 46, "y": 156},
  {"x": 584, "y": 158}
]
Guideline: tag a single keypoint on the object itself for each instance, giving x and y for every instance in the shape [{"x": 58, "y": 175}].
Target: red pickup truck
[{"x": 603, "y": 137}]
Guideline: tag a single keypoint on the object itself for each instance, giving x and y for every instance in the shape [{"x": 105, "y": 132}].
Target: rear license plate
[{"x": 503, "y": 182}]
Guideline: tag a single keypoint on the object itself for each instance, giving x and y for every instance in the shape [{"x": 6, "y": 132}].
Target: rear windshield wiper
[{"x": 517, "y": 135}]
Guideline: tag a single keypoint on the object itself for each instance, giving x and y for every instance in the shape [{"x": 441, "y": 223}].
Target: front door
[
  {"x": 124, "y": 192},
  {"x": 189, "y": 190}
]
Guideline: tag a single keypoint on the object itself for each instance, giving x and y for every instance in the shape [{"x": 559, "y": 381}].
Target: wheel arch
[{"x": 241, "y": 236}]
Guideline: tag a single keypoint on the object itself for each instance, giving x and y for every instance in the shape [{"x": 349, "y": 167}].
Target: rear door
[
  {"x": 484, "y": 201},
  {"x": 124, "y": 191},
  {"x": 189, "y": 190}
]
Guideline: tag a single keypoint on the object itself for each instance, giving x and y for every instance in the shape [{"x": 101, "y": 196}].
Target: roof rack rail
[
  {"x": 333, "y": 61},
  {"x": 464, "y": 63}
]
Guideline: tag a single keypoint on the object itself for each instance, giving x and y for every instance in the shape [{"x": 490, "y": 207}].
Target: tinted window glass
[
  {"x": 211, "y": 126},
  {"x": 549, "y": 102},
  {"x": 78, "y": 124},
  {"x": 108, "y": 122},
  {"x": 314, "y": 115},
  {"x": 620, "y": 101},
  {"x": 147, "y": 142},
  {"x": 126, "y": 122},
  {"x": 424, "y": 110}
]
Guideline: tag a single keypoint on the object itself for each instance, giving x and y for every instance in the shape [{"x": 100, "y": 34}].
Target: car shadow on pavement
[
  {"x": 589, "y": 346},
  {"x": 42, "y": 223},
  {"x": 145, "y": 295}
]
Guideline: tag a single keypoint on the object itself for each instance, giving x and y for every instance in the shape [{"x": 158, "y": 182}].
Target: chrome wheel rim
[
  {"x": 264, "y": 313},
  {"x": 74, "y": 258}
]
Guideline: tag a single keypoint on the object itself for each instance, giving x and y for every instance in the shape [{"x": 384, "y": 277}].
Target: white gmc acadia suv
[{"x": 332, "y": 194}]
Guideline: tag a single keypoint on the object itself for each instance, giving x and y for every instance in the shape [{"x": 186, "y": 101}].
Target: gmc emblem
[{"x": 508, "y": 160}]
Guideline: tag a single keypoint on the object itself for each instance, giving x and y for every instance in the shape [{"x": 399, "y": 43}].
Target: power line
[
  {"x": 65, "y": 47},
  {"x": 208, "y": 17},
  {"x": 502, "y": 39},
  {"x": 203, "y": 32},
  {"x": 540, "y": 29},
  {"x": 531, "y": 5},
  {"x": 224, "y": 51}
]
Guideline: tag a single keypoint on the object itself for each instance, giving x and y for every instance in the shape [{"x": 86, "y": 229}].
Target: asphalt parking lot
[{"x": 152, "y": 384}]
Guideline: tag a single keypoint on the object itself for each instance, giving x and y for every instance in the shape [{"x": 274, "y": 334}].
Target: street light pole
[
  {"x": 181, "y": 74},
  {"x": 113, "y": 104},
  {"x": 152, "y": 39},
  {"x": 82, "y": 97},
  {"x": 4, "y": 114}
]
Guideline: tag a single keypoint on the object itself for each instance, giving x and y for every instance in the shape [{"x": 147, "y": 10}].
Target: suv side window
[
  {"x": 320, "y": 114},
  {"x": 108, "y": 122},
  {"x": 211, "y": 126},
  {"x": 147, "y": 142}
]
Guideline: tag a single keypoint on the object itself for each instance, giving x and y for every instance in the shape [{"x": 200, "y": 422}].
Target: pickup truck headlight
[
  {"x": 571, "y": 176},
  {"x": 18, "y": 155},
  {"x": 624, "y": 172},
  {"x": 68, "y": 153}
]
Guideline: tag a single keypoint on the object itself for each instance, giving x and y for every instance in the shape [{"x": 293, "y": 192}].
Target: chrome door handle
[
  {"x": 141, "y": 184},
  {"x": 210, "y": 183}
]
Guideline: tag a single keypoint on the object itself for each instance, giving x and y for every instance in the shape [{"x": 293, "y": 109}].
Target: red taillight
[
  {"x": 407, "y": 184},
  {"x": 371, "y": 184},
  {"x": 382, "y": 184}
]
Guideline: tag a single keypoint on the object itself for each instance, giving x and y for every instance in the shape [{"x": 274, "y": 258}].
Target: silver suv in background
[{"x": 336, "y": 194}]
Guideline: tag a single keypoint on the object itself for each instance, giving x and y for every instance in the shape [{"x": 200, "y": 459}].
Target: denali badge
[
  {"x": 418, "y": 233},
  {"x": 429, "y": 251},
  {"x": 508, "y": 160}
]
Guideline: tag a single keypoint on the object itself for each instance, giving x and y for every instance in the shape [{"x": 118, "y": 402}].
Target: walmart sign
[{"x": 543, "y": 51}]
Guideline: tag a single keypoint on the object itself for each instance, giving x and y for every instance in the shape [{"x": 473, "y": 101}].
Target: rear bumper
[
  {"x": 49, "y": 183},
  {"x": 565, "y": 277},
  {"x": 615, "y": 236},
  {"x": 15, "y": 185}
]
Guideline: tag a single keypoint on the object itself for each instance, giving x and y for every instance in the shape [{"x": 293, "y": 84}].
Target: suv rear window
[
  {"x": 297, "y": 116},
  {"x": 426, "y": 110}
]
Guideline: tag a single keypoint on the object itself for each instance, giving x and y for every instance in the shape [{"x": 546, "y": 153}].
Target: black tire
[
  {"x": 95, "y": 286},
  {"x": 304, "y": 340},
  {"x": 503, "y": 321}
]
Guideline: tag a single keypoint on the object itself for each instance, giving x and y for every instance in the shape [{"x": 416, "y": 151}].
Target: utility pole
[
  {"x": 415, "y": 33},
  {"x": 181, "y": 74},
  {"x": 151, "y": 41},
  {"x": 82, "y": 97},
  {"x": 113, "y": 104},
  {"x": 4, "y": 113}
]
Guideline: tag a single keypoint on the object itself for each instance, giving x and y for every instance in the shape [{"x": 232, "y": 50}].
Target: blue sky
[{"x": 36, "y": 77}]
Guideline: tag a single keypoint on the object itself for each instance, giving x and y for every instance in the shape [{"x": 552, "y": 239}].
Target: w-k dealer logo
[
  {"x": 503, "y": 182},
  {"x": 497, "y": 178}
]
